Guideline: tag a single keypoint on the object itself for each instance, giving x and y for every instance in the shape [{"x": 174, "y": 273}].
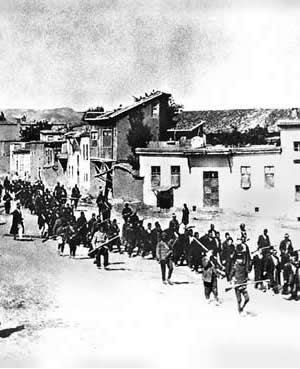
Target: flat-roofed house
[{"x": 254, "y": 178}]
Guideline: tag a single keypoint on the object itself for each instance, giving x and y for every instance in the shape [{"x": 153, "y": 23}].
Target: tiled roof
[{"x": 227, "y": 120}]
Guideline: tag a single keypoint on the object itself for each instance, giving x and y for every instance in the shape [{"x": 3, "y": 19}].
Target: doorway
[{"x": 211, "y": 189}]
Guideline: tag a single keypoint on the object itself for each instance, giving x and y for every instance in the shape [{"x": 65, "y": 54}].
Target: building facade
[
  {"x": 104, "y": 135},
  {"x": 255, "y": 179}
]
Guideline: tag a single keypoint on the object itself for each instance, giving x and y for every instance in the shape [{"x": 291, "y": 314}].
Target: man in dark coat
[
  {"x": 196, "y": 253},
  {"x": 272, "y": 270},
  {"x": 7, "y": 201},
  {"x": 226, "y": 254},
  {"x": 17, "y": 221},
  {"x": 75, "y": 196},
  {"x": 185, "y": 215},
  {"x": 264, "y": 241},
  {"x": 82, "y": 228},
  {"x": 173, "y": 225},
  {"x": 286, "y": 249},
  {"x": 126, "y": 212}
]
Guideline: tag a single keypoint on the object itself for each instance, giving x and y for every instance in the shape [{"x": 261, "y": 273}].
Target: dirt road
[{"x": 76, "y": 315}]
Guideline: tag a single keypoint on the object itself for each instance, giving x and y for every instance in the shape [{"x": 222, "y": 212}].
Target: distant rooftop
[{"x": 98, "y": 116}]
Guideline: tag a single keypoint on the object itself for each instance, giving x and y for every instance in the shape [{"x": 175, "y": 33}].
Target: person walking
[
  {"x": 17, "y": 221},
  {"x": 7, "y": 202},
  {"x": 185, "y": 215},
  {"x": 97, "y": 242},
  {"x": 164, "y": 257}
]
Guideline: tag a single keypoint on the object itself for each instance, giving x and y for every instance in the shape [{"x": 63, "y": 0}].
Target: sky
[{"x": 209, "y": 54}]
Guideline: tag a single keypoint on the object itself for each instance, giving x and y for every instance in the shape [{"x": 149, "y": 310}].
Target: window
[
  {"x": 155, "y": 176},
  {"x": 87, "y": 152},
  {"x": 296, "y": 145},
  {"x": 245, "y": 177},
  {"x": 269, "y": 176},
  {"x": 49, "y": 157},
  {"x": 107, "y": 150},
  {"x": 85, "y": 149},
  {"x": 107, "y": 138},
  {"x": 155, "y": 110},
  {"x": 94, "y": 138},
  {"x": 297, "y": 193},
  {"x": 175, "y": 175}
]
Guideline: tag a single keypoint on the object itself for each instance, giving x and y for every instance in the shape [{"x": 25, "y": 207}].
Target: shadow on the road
[
  {"x": 117, "y": 269},
  {"x": 82, "y": 258},
  {"x": 185, "y": 282},
  {"x": 5, "y": 333},
  {"x": 250, "y": 313},
  {"x": 117, "y": 263}
]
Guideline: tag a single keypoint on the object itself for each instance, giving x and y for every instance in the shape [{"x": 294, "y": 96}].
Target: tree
[
  {"x": 97, "y": 108},
  {"x": 139, "y": 135},
  {"x": 173, "y": 110},
  {"x": 32, "y": 131}
]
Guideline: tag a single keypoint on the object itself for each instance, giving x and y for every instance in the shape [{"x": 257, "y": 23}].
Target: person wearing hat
[
  {"x": 264, "y": 241},
  {"x": 272, "y": 269},
  {"x": 185, "y": 215},
  {"x": 227, "y": 252},
  {"x": 243, "y": 232},
  {"x": 286, "y": 249},
  {"x": 99, "y": 238},
  {"x": 17, "y": 221},
  {"x": 239, "y": 275},
  {"x": 164, "y": 257},
  {"x": 174, "y": 224}
]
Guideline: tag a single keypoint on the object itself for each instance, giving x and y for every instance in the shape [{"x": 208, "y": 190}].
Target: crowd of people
[{"x": 177, "y": 245}]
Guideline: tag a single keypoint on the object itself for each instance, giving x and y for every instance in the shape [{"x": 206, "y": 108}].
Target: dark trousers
[
  {"x": 7, "y": 207},
  {"x": 239, "y": 292},
  {"x": 163, "y": 264},
  {"x": 211, "y": 288},
  {"x": 104, "y": 252},
  {"x": 73, "y": 247}
]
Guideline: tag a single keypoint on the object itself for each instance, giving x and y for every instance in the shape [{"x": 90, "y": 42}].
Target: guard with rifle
[{"x": 98, "y": 243}]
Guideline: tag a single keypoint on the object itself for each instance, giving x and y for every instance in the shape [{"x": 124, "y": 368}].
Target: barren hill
[{"x": 67, "y": 115}]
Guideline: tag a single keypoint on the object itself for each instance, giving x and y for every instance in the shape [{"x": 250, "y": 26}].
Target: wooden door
[{"x": 210, "y": 189}]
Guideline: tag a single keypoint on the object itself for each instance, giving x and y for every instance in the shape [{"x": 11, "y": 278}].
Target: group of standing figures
[{"x": 176, "y": 245}]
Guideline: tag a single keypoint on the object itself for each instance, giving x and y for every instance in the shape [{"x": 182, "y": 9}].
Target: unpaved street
[{"x": 76, "y": 315}]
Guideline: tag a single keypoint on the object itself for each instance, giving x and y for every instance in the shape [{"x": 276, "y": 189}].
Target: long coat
[{"x": 16, "y": 221}]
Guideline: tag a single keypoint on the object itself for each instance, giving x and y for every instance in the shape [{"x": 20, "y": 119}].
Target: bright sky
[{"x": 210, "y": 54}]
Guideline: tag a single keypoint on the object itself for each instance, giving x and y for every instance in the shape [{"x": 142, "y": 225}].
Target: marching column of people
[{"x": 176, "y": 245}]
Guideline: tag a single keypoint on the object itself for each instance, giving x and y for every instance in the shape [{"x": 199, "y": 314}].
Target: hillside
[
  {"x": 227, "y": 120},
  {"x": 67, "y": 115}
]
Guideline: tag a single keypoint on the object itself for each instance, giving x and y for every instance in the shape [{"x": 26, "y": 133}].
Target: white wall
[
  {"x": 231, "y": 195},
  {"x": 83, "y": 181}
]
